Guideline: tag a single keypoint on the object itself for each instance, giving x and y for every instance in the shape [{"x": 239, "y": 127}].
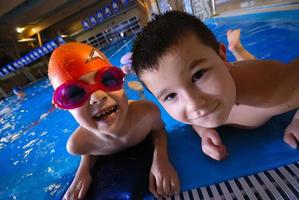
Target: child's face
[
  {"x": 103, "y": 111},
  {"x": 193, "y": 83}
]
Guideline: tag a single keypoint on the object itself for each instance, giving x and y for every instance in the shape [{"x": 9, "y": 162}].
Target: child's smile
[{"x": 105, "y": 114}]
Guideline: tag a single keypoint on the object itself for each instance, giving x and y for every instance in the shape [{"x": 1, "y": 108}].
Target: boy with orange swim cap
[{"x": 91, "y": 89}]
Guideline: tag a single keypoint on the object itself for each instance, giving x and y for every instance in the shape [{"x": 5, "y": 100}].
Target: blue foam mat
[{"x": 250, "y": 151}]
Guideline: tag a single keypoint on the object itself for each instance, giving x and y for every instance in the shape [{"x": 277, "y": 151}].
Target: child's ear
[{"x": 222, "y": 52}]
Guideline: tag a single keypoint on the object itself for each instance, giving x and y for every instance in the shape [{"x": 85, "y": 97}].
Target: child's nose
[
  {"x": 195, "y": 102},
  {"x": 98, "y": 97}
]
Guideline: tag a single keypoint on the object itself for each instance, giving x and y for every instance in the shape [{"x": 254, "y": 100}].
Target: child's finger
[
  {"x": 290, "y": 139},
  {"x": 70, "y": 193},
  {"x": 66, "y": 197},
  {"x": 175, "y": 186},
  {"x": 215, "y": 138},
  {"x": 152, "y": 185},
  {"x": 166, "y": 187},
  {"x": 216, "y": 152},
  {"x": 159, "y": 184},
  {"x": 213, "y": 153},
  {"x": 77, "y": 190},
  {"x": 83, "y": 191},
  {"x": 296, "y": 135},
  {"x": 75, "y": 194}
]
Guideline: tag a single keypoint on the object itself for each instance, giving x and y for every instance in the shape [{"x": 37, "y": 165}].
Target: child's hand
[
  {"x": 212, "y": 146},
  {"x": 78, "y": 188},
  {"x": 291, "y": 135},
  {"x": 163, "y": 179}
]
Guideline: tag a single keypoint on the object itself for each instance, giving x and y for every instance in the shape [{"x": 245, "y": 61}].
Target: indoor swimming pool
[{"x": 33, "y": 157}]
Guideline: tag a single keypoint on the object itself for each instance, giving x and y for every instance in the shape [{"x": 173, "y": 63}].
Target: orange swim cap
[{"x": 70, "y": 61}]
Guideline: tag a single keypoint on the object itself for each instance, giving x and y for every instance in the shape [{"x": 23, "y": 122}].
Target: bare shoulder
[
  {"x": 263, "y": 76},
  {"x": 144, "y": 106},
  {"x": 147, "y": 113},
  {"x": 269, "y": 66},
  {"x": 78, "y": 142},
  {"x": 267, "y": 84}
]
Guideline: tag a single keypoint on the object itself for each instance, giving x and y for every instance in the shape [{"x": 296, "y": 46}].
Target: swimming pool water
[{"x": 33, "y": 158}]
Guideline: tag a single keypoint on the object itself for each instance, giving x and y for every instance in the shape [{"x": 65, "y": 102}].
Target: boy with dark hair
[{"x": 183, "y": 65}]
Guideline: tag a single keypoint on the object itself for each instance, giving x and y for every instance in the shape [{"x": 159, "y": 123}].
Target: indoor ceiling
[{"x": 48, "y": 17}]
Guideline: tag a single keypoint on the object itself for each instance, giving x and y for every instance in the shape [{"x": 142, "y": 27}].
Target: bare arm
[
  {"x": 200, "y": 130},
  {"x": 273, "y": 87},
  {"x": 269, "y": 85},
  {"x": 159, "y": 139},
  {"x": 158, "y": 136},
  {"x": 86, "y": 164},
  {"x": 163, "y": 177},
  {"x": 82, "y": 142},
  {"x": 82, "y": 179}
]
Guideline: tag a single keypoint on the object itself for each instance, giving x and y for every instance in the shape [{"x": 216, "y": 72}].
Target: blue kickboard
[
  {"x": 122, "y": 176},
  {"x": 250, "y": 152}
]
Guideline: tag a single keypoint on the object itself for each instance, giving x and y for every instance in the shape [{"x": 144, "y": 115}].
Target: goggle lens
[{"x": 111, "y": 79}]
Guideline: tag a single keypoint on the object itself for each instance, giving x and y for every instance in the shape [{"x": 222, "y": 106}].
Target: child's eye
[
  {"x": 197, "y": 75},
  {"x": 170, "y": 97}
]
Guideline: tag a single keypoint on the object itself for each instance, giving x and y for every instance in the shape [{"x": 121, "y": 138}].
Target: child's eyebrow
[
  {"x": 160, "y": 94},
  {"x": 197, "y": 62},
  {"x": 193, "y": 64}
]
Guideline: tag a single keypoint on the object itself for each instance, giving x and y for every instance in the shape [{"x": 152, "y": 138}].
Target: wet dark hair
[{"x": 165, "y": 32}]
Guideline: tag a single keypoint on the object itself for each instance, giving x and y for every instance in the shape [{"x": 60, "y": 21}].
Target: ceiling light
[
  {"x": 34, "y": 30},
  {"x": 20, "y": 30},
  {"x": 27, "y": 40}
]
